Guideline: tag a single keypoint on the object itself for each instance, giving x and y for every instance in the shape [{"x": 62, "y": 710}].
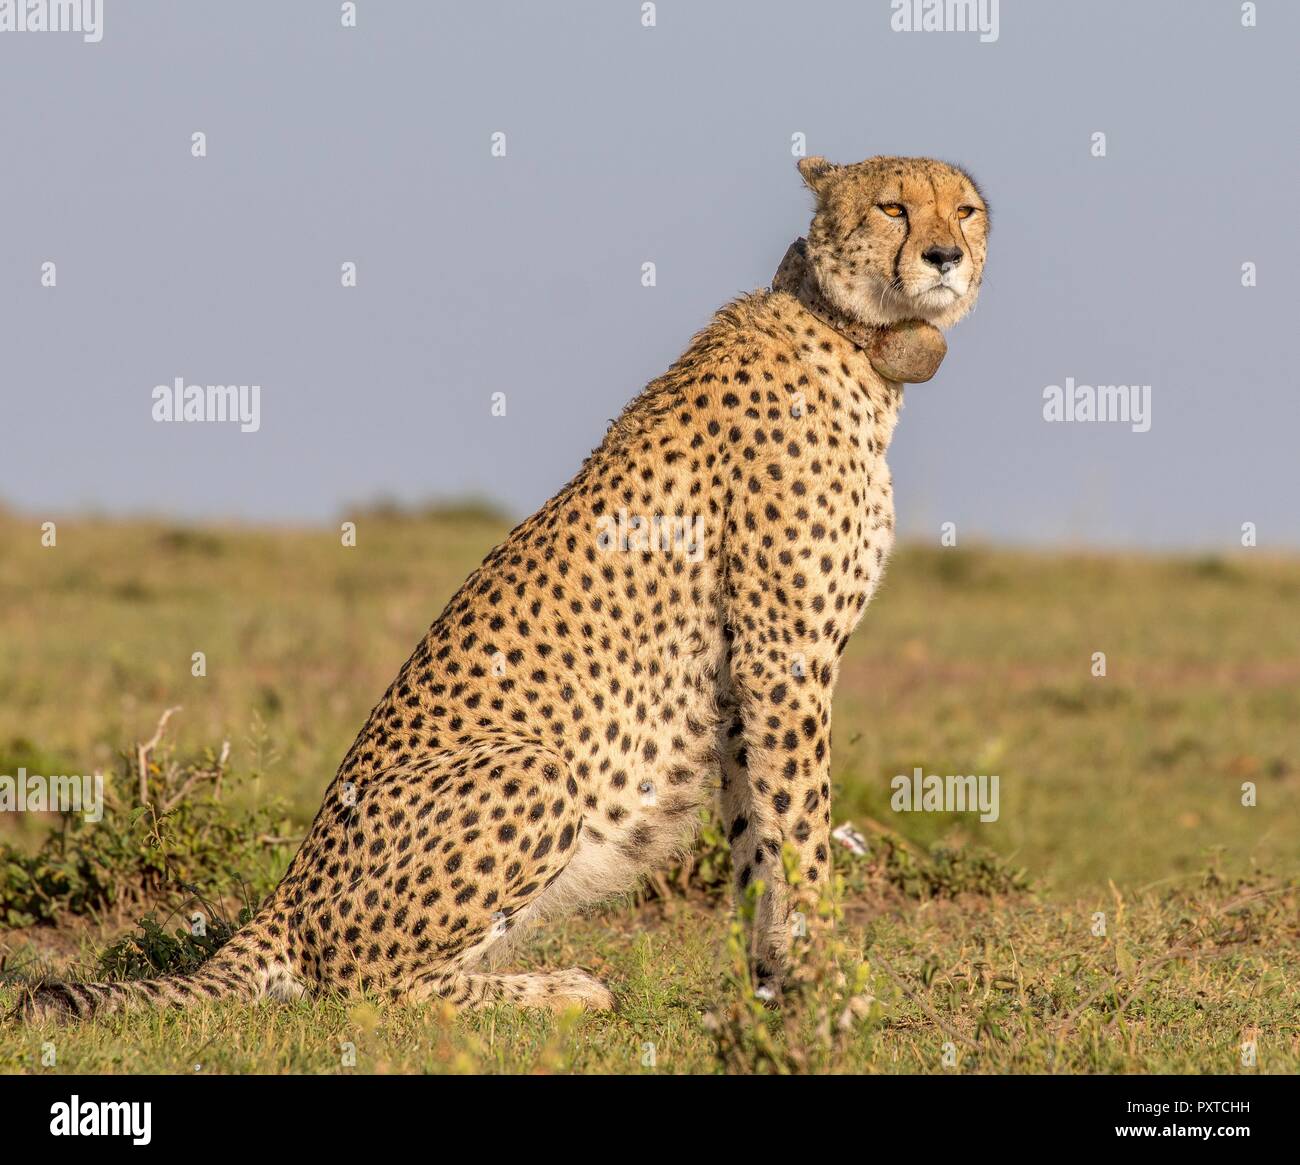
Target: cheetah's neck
[{"x": 795, "y": 276}]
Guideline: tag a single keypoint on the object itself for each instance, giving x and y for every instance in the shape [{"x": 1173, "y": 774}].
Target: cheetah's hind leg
[{"x": 438, "y": 866}]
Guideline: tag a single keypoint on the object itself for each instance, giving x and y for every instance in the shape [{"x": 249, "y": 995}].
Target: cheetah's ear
[{"x": 817, "y": 172}]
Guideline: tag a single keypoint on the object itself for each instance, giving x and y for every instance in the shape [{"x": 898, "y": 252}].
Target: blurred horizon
[{"x": 482, "y": 510}]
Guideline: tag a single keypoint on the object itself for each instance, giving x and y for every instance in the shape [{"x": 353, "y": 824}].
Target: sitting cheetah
[{"x": 671, "y": 621}]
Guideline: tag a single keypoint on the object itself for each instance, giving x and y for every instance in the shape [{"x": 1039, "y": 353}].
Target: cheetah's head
[{"x": 897, "y": 238}]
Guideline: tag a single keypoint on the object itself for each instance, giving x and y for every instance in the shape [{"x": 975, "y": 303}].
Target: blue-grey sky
[{"x": 628, "y": 144}]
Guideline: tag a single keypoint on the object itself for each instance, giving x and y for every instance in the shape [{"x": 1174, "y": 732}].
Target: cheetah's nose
[{"x": 945, "y": 258}]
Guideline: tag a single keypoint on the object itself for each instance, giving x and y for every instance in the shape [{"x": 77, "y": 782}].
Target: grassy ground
[{"x": 1120, "y": 795}]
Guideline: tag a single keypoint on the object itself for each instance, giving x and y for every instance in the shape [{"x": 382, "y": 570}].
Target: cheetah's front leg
[{"x": 776, "y": 799}]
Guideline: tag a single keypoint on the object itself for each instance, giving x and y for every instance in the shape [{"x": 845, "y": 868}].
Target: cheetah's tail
[{"x": 250, "y": 966}]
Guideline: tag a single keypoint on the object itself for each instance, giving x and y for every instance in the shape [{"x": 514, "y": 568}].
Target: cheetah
[{"x": 667, "y": 629}]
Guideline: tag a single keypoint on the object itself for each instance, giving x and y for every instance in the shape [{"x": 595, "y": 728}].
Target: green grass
[
  {"x": 1013, "y": 986},
  {"x": 1119, "y": 794}
]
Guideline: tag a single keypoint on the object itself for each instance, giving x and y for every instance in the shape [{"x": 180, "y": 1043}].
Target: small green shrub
[
  {"x": 830, "y": 1002},
  {"x": 182, "y": 829},
  {"x": 150, "y": 950},
  {"x": 942, "y": 871}
]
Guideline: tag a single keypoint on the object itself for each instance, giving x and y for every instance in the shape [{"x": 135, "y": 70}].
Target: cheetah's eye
[
  {"x": 893, "y": 209},
  {"x": 965, "y": 211}
]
